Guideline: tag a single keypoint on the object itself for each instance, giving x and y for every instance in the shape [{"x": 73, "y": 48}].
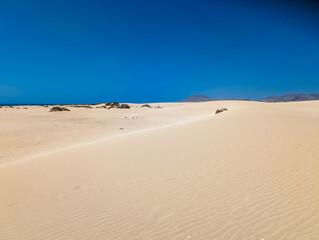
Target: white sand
[{"x": 179, "y": 172}]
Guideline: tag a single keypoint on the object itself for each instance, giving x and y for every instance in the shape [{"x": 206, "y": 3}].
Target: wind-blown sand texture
[{"x": 179, "y": 172}]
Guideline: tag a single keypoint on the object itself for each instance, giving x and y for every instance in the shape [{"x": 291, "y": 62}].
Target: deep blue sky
[{"x": 82, "y": 51}]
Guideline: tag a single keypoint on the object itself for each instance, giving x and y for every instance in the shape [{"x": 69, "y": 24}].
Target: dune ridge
[{"x": 102, "y": 139}]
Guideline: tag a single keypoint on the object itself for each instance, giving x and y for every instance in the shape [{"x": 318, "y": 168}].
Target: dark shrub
[
  {"x": 112, "y": 104},
  {"x": 59, "y": 109},
  {"x": 220, "y": 110},
  {"x": 146, "y": 105},
  {"x": 123, "y": 105},
  {"x": 81, "y": 106}
]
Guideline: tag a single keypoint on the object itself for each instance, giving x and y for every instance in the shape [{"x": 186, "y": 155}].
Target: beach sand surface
[{"x": 176, "y": 172}]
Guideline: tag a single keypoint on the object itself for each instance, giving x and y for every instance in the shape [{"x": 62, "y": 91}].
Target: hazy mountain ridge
[
  {"x": 291, "y": 97},
  {"x": 203, "y": 98}
]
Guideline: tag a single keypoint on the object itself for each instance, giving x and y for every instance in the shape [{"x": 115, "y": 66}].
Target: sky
[{"x": 90, "y": 51}]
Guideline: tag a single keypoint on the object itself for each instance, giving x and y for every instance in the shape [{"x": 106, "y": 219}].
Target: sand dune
[
  {"x": 179, "y": 172},
  {"x": 35, "y": 130}
]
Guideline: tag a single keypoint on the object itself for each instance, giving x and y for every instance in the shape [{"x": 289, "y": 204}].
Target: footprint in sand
[
  {"x": 158, "y": 213},
  {"x": 76, "y": 187}
]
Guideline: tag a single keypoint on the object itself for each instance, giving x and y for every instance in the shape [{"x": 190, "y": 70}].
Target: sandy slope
[
  {"x": 248, "y": 173},
  {"x": 29, "y": 130}
]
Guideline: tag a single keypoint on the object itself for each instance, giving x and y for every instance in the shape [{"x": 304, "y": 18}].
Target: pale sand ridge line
[{"x": 193, "y": 119}]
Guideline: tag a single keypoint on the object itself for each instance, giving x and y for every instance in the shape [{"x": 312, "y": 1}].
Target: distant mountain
[
  {"x": 292, "y": 97},
  {"x": 203, "y": 98},
  {"x": 198, "y": 98}
]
